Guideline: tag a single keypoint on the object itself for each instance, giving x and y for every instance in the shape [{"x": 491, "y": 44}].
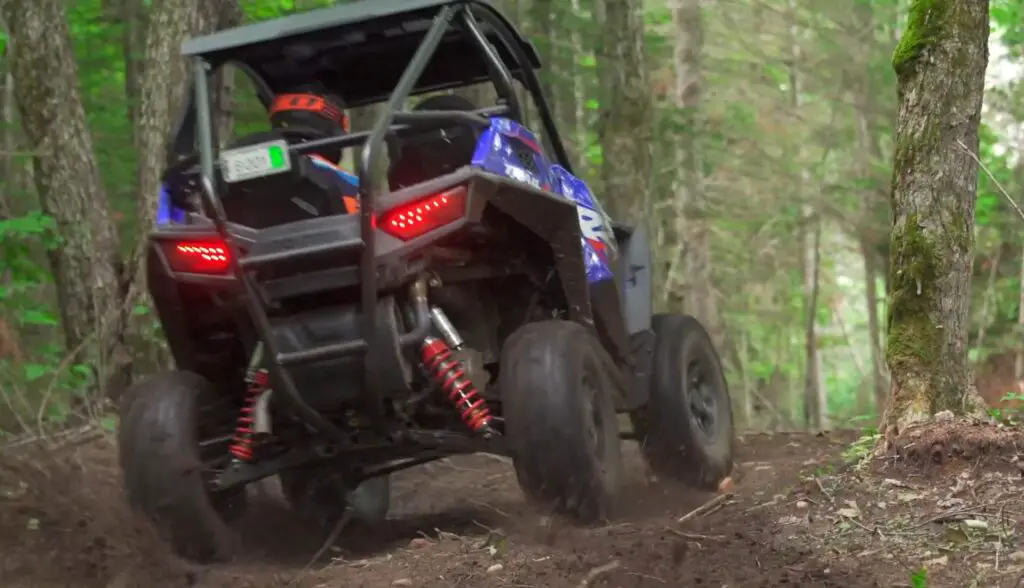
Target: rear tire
[
  {"x": 560, "y": 419},
  {"x": 686, "y": 429},
  {"x": 158, "y": 445}
]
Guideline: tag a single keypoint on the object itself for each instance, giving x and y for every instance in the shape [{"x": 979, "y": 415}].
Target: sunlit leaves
[{"x": 1008, "y": 23}]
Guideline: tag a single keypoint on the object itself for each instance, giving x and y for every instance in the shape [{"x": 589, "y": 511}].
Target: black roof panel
[
  {"x": 358, "y": 50},
  {"x": 281, "y": 29}
]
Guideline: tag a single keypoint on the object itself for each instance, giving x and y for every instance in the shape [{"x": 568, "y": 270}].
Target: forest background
[{"x": 753, "y": 138}]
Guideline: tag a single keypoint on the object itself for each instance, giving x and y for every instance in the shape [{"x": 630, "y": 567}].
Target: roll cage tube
[
  {"x": 532, "y": 84},
  {"x": 369, "y": 180}
]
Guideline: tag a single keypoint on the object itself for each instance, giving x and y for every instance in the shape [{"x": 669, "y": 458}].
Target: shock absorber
[
  {"x": 257, "y": 382},
  {"x": 449, "y": 374}
]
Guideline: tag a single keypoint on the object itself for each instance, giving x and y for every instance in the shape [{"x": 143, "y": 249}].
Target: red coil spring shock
[
  {"x": 242, "y": 444},
  {"x": 449, "y": 374}
]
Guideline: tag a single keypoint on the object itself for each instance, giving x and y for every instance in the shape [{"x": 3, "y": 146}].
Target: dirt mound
[
  {"x": 63, "y": 523},
  {"x": 463, "y": 522},
  {"x": 948, "y": 442}
]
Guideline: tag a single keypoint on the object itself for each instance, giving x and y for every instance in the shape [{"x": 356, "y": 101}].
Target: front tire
[
  {"x": 158, "y": 445},
  {"x": 686, "y": 429},
  {"x": 560, "y": 419}
]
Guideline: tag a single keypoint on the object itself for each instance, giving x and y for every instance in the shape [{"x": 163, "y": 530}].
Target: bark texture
[
  {"x": 624, "y": 124},
  {"x": 699, "y": 296},
  {"x": 45, "y": 76},
  {"x": 164, "y": 81},
  {"x": 940, "y": 64}
]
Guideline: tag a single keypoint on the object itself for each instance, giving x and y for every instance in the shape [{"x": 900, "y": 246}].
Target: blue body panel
[
  {"x": 166, "y": 214},
  {"x": 500, "y": 151}
]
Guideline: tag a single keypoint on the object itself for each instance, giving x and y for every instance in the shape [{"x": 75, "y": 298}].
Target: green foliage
[
  {"x": 40, "y": 389},
  {"x": 919, "y": 579},
  {"x": 1012, "y": 415},
  {"x": 861, "y": 449},
  {"x": 1008, "y": 23}
]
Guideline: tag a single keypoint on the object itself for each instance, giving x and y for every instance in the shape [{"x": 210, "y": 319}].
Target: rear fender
[{"x": 554, "y": 220}]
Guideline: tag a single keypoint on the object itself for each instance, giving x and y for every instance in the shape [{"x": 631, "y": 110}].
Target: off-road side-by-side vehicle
[{"x": 475, "y": 299}]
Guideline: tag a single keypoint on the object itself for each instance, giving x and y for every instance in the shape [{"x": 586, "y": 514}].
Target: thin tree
[
  {"x": 940, "y": 64},
  {"x": 626, "y": 109}
]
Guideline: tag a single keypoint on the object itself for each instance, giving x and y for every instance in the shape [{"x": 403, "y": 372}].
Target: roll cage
[{"x": 357, "y": 51}]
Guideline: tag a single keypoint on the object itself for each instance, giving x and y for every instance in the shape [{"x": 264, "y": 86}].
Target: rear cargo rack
[{"x": 461, "y": 14}]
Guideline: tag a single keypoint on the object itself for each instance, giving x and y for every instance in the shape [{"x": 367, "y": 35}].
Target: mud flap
[{"x": 634, "y": 274}]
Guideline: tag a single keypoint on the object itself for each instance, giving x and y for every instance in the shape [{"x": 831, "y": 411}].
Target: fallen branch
[
  {"x": 985, "y": 169},
  {"x": 57, "y": 439},
  {"x": 343, "y": 521},
  {"x": 706, "y": 507},
  {"x": 594, "y": 573}
]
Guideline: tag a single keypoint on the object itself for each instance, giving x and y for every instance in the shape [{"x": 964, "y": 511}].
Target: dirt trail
[
  {"x": 796, "y": 518},
  {"x": 458, "y": 519}
]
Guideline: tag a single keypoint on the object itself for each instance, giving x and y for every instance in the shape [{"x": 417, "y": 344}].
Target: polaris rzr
[{"x": 461, "y": 292}]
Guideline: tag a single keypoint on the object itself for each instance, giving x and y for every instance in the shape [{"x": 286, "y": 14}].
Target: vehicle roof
[{"x": 358, "y": 50}]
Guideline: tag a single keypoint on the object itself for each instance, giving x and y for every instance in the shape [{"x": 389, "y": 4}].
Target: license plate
[{"x": 255, "y": 161}]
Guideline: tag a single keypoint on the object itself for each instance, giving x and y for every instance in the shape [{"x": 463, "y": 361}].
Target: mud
[{"x": 463, "y": 522}]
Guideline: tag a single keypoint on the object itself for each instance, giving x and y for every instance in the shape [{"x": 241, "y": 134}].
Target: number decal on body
[{"x": 595, "y": 228}]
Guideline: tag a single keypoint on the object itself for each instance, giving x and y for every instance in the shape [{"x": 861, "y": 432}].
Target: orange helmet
[{"x": 309, "y": 107}]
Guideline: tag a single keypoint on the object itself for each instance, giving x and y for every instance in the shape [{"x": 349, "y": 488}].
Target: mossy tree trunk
[
  {"x": 940, "y": 64},
  {"x": 86, "y": 265}
]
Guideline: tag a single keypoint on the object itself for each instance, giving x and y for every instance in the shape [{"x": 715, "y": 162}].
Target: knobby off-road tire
[
  {"x": 560, "y": 419},
  {"x": 158, "y": 444},
  {"x": 686, "y": 429}
]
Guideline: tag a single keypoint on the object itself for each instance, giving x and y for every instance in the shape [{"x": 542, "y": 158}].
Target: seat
[{"x": 423, "y": 156}]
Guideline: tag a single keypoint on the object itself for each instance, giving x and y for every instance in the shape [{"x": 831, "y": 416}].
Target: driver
[{"x": 313, "y": 113}]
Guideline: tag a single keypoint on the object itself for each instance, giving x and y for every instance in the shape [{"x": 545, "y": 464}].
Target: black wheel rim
[{"x": 701, "y": 398}]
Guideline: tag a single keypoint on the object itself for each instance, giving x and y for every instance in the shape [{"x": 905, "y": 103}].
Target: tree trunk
[
  {"x": 165, "y": 79},
  {"x": 539, "y": 23},
  {"x": 570, "y": 106},
  {"x": 625, "y": 119},
  {"x": 1018, "y": 360},
  {"x": 7, "y": 140},
  {"x": 815, "y": 402},
  {"x": 880, "y": 383},
  {"x": 85, "y": 267},
  {"x": 814, "y": 398},
  {"x": 867, "y": 152},
  {"x": 940, "y": 65},
  {"x": 693, "y": 224}
]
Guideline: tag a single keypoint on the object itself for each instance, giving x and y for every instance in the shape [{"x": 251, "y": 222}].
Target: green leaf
[
  {"x": 38, "y": 317},
  {"x": 109, "y": 423},
  {"x": 34, "y": 371}
]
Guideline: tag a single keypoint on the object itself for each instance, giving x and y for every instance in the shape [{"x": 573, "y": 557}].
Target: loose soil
[{"x": 803, "y": 510}]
